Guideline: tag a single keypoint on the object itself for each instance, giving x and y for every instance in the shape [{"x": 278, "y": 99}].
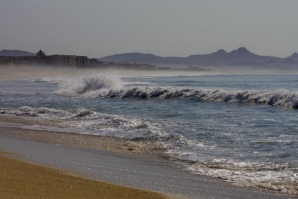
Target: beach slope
[{"x": 19, "y": 179}]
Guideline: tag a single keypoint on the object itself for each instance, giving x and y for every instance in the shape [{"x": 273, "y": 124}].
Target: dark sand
[{"x": 19, "y": 179}]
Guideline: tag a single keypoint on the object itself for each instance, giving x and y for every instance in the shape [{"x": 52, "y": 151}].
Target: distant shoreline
[{"x": 34, "y": 72}]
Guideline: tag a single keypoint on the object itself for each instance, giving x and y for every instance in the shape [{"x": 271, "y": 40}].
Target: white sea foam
[
  {"x": 85, "y": 86},
  {"x": 98, "y": 86},
  {"x": 91, "y": 122},
  {"x": 41, "y": 112},
  {"x": 269, "y": 176}
]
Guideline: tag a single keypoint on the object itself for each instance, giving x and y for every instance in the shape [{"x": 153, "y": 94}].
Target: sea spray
[
  {"x": 85, "y": 86},
  {"x": 113, "y": 88}
]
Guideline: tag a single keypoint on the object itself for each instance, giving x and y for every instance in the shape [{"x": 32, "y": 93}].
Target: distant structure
[
  {"x": 83, "y": 61},
  {"x": 40, "y": 54},
  {"x": 41, "y": 59},
  {"x": 71, "y": 61}
]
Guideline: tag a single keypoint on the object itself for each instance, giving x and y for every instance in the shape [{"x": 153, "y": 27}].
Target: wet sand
[
  {"x": 113, "y": 160},
  {"x": 16, "y": 124},
  {"x": 19, "y": 179}
]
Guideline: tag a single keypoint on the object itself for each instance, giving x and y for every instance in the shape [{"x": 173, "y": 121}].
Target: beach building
[
  {"x": 95, "y": 63},
  {"x": 41, "y": 59},
  {"x": 33, "y": 60},
  {"x": 82, "y": 61}
]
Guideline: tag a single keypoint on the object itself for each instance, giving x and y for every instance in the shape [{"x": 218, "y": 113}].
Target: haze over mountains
[{"x": 241, "y": 56}]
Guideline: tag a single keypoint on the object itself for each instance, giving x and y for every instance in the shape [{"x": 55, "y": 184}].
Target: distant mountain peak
[
  {"x": 242, "y": 50},
  {"x": 221, "y": 51},
  {"x": 294, "y": 56},
  {"x": 241, "y": 56},
  {"x": 132, "y": 57}
]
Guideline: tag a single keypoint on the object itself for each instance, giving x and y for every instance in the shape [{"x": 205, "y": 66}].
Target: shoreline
[
  {"x": 13, "y": 126},
  {"x": 111, "y": 146},
  {"x": 105, "y": 143}
]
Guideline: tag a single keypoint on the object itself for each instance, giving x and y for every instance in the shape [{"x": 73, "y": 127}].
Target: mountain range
[{"x": 241, "y": 56}]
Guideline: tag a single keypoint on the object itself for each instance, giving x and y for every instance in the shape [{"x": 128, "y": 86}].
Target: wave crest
[
  {"x": 93, "y": 84},
  {"x": 279, "y": 97},
  {"x": 113, "y": 88}
]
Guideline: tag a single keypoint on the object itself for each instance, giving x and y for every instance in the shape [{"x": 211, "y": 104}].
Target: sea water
[{"x": 240, "y": 128}]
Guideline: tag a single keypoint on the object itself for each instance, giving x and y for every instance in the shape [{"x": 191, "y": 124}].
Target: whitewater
[{"x": 240, "y": 128}]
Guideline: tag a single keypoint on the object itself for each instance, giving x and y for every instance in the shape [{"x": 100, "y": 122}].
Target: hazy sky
[{"x": 99, "y": 28}]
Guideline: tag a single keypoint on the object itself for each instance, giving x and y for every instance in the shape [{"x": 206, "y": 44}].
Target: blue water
[{"x": 242, "y": 128}]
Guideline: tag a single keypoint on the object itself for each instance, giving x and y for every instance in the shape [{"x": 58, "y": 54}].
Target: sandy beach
[
  {"x": 19, "y": 179},
  {"x": 110, "y": 160}
]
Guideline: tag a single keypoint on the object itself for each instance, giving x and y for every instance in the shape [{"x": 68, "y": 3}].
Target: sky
[{"x": 99, "y": 28}]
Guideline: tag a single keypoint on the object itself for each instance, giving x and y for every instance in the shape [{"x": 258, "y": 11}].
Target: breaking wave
[
  {"x": 113, "y": 88},
  {"x": 279, "y": 97},
  {"x": 86, "y": 86}
]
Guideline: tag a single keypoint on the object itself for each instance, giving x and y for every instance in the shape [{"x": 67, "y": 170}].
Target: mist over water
[{"x": 241, "y": 128}]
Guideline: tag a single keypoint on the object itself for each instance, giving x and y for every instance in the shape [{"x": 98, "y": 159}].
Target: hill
[
  {"x": 12, "y": 53},
  {"x": 241, "y": 56}
]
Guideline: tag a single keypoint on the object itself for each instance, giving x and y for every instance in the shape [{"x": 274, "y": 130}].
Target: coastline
[
  {"x": 83, "y": 187},
  {"x": 8, "y": 72},
  {"x": 139, "y": 168},
  {"x": 14, "y": 126}
]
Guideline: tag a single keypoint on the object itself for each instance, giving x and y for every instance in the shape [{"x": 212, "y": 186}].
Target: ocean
[{"x": 240, "y": 128}]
